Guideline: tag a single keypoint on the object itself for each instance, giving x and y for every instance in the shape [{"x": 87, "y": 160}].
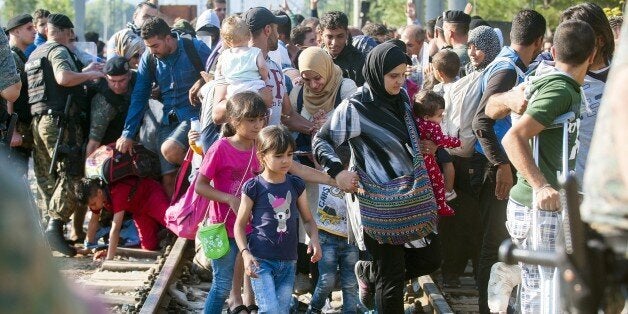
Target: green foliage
[
  {"x": 111, "y": 15},
  {"x": 14, "y": 7},
  {"x": 388, "y": 12},
  {"x": 612, "y": 11},
  {"x": 57, "y": 6},
  {"x": 505, "y": 10}
]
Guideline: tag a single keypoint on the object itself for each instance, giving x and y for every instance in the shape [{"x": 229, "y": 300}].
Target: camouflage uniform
[
  {"x": 107, "y": 118},
  {"x": 57, "y": 191},
  {"x": 20, "y": 155},
  {"x": 8, "y": 75}
]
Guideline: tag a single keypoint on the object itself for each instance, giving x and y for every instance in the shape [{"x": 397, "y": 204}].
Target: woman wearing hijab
[
  {"x": 460, "y": 235},
  {"x": 322, "y": 90},
  {"x": 322, "y": 84},
  {"x": 483, "y": 47},
  {"x": 130, "y": 46},
  {"x": 373, "y": 122}
]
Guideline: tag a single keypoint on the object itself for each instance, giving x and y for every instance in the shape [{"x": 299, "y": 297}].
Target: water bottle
[
  {"x": 195, "y": 125},
  {"x": 416, "y": 75}
]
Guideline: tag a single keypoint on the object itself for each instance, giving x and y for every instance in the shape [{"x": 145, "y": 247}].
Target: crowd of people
[{"x": 331, "y": 153}]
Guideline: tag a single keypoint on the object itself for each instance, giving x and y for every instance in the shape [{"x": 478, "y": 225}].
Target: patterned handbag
[{"x": 403, "y": 209}]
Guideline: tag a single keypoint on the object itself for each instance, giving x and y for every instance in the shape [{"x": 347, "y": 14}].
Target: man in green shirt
[{"x": 553, "y": 90}]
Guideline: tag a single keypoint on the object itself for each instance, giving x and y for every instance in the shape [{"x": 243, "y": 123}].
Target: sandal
[
  {"x": 238, "y": 309},
  {"x": 253, "y": 308}
]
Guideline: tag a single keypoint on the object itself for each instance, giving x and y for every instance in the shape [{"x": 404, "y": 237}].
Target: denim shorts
[{"x": 174, "y": 132}]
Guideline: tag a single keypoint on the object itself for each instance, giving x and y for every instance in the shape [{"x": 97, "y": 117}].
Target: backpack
[
  {"x": 461, "y": 103},
  {"x": 187, "y": 208},
  {"x": 110, "y": 165}
]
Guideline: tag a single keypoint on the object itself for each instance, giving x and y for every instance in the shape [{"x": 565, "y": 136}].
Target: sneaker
[
  {"x": 366, "y": 288},
  {"x": 450, "y": 195},
  {"x": 302, "y": 284}
]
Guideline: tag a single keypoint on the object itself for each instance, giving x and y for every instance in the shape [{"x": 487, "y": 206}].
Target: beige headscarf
[
  {"x": 318, "y": 60},
  {"x": 127, "y": 44}
]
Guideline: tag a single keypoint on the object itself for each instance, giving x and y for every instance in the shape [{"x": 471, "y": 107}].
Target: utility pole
[
  {"x": 79, "y": 18},
  {"x": 456, "y": 4},
  {"x": 357, "y": 21},
  {"x": 433, "y": 8}
]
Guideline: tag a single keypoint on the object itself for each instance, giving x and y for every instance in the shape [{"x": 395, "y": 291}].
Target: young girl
[
  {"x": 144, "y": 198},
  {"x": 227, "y": 164},
  {"x": 270, "y": 201},
  {"x": 243, "y": 67},
  {"x": 428, "y": 108}
]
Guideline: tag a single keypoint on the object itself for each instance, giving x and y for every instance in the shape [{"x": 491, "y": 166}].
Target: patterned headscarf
[
  {"x": 128, "y": 44},
  {"x": 484, "y": 38}
]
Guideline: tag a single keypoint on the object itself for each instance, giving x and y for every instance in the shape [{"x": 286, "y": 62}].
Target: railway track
[
  {"x": 151, "y": 282},
  {"x": 140, "y": 281}
]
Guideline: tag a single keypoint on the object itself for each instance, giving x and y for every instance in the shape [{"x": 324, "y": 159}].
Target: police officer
[
  {"x": 111, "y": 103},
  {"x": 21, "y": 35},
  {"x": 54, "y": 73}
]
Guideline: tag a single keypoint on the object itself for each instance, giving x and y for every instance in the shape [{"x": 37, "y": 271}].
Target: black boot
[{"x": 54, "y": 234}]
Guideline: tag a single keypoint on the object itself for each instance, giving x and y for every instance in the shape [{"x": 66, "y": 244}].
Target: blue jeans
[
  {"x": 337, "y": 252},
  {"x": 223, "y": 278},
  {"x": 273, "y": 287}
]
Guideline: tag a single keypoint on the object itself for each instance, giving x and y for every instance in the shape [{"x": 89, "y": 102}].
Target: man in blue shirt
[
  {"x": 40, "y": 18},
  {"x": 176, "y": 72}
]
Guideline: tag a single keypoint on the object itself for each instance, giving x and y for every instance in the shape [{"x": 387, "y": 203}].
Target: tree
[
  {"x": 13, "y": 8},
  {"x": 388, "y": 12},
  {"x": 57, "y": 6},
  {"x": 505, "y": 10}
]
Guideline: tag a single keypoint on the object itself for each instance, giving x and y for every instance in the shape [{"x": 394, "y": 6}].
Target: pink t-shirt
[{"x": 225, "y": 166}]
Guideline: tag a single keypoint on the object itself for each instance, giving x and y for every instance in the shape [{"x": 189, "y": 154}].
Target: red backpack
[{"x": 110, "y": 165}]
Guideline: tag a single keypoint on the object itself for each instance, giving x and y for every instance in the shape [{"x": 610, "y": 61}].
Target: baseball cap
[{"x": 258, "y": 17}]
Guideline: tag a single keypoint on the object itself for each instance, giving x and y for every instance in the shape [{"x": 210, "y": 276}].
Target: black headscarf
[{"x": 381, "y": 60}]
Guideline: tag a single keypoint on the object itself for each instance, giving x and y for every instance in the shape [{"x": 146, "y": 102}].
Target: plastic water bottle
[
  {"x": 195, "y": 125},
  {"x": 416, "y": 66}
]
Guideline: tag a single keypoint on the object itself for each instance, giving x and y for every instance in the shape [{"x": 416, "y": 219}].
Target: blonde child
[
  {"x": 242, "y": 67},
  {"x": 270, "y": 202}
]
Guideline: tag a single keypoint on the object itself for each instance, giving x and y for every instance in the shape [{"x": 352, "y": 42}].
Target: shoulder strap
[
  {"x": 152, "y": 66},
  {"x": 300, "y": 100},
  {"x": 338, "y": 96},
  {"x": 512, "y": 63},
  {"x": 190, "y": 50}
]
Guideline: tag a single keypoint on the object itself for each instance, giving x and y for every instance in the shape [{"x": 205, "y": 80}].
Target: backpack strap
[
  {"x": 191, "y": 52},
  {"x": 300, "y": 100}
]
